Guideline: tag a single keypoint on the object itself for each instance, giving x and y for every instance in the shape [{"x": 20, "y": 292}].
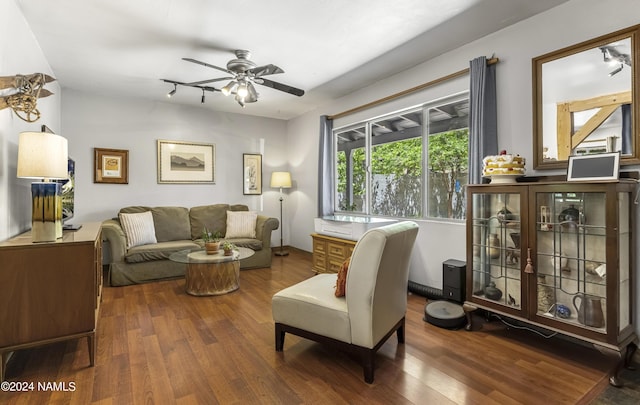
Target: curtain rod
[{"x": 408, "y": 91}]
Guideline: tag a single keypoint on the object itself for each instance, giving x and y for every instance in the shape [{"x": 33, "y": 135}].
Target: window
[{"x": 409, "y": 164}]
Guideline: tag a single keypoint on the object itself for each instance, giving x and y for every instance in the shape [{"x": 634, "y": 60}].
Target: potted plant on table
[
  {"x": 228, "y": 248},
  {"x": 211, "y": 241}
]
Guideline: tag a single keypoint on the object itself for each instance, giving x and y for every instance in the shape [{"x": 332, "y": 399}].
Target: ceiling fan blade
[
  {"x": 207, "y": 65},
  {"x": 280, "y": 86},
  {"x": 265, "y": 70},
  {"x": 208, "y": 81}
]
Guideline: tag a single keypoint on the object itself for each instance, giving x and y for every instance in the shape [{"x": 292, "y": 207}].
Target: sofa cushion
[
  {"x": 241, "y": 224},
  {"x": 157, "y": 251},
  {"x": 253, "y": 244},
  {"x": 134, "y": 209},
  {"x": 171, "y": 223},
  {"x": 316, "y": 309},
  {"x": 213, "y": 217},
  {"x": 238, "y": 207},
  {"x": 138, "y": 228}
]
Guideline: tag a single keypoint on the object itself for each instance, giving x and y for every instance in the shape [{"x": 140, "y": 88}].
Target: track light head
[
  {"x": 172, "y": 92},
  {"x": 202, "y": 100},
  {"x": 617, "y": 70}
]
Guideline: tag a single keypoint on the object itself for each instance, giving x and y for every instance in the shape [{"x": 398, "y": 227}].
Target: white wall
[
  {"x": 515, "y": 46},
  {"x": 19, "y": 54},
  {"x": 91, "y": 121}
]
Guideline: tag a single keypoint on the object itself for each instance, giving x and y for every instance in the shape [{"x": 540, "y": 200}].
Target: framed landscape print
[
  {"x": 252, "y": 173},
  {"x": 111, "y": 166},
  {"x": 186, "y": 162}
]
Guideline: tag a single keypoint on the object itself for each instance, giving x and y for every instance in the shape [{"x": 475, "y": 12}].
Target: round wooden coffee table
[{"x": 211, "y": 274}]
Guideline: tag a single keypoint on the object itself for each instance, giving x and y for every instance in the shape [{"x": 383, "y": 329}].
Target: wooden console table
[
  {"x": 330, "y": 252},
  {"x": 50, "y": 292}
]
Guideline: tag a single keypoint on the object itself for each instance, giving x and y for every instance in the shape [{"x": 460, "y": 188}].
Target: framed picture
[
  {"x": 252, "y": 173},
  {"x": 599, "y": 166},
  {"x": 186, "y": 162},
  {"x": 110, "y": 166}
]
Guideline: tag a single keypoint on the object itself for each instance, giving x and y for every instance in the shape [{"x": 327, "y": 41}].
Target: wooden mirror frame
[{"x": 537, "y": 63}]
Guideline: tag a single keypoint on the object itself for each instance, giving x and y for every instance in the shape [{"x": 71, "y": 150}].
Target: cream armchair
[{"x": 374, "y": 306}]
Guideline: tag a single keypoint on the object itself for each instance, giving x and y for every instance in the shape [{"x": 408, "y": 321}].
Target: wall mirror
[{"x": 583, "y": 100}]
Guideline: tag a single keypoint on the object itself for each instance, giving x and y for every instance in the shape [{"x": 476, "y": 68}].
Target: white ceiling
[{"x": 328, "y": 48}]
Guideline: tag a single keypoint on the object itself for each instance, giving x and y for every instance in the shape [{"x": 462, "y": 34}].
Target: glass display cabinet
[{"x": 556, "y": 255}]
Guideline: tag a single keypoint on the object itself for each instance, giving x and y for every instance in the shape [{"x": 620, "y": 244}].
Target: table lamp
[
  {"x": 281, "y": 180},
  {"x": 44, "y": 156}
]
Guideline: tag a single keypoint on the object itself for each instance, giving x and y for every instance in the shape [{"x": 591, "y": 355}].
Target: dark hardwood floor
[{"x": 158, "y": 345}]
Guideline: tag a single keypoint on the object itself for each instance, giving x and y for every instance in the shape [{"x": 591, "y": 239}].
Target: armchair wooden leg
[
  {"x": 279, "y": 337},
  {"x": 400, "y": 332},
  {"x": 368, "y": 364}
]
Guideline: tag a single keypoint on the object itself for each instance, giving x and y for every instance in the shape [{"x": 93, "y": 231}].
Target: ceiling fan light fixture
[
  {"x": 252, "y": 95},
  {"x": 228, "y": 88},
  {"x": 242, "y": 90}
]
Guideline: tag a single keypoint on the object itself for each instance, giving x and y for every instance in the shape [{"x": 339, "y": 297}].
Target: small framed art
[
  {"x": 186, "y": 162},
  {"x": 252, "y": 173},
  {"x": 111, "y": 166},
  {"x": 599, "y": 166}
]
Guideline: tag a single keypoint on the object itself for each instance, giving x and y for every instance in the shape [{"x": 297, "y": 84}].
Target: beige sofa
[{"x": 177, "y": 228}]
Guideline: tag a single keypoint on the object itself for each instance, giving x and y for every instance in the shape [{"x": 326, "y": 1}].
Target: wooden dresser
[
  {"x": 330, "y": 252},
  {"x": 51, "y": 291}
]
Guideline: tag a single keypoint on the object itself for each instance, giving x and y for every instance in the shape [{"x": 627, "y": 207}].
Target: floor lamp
[{"x": 281, "y": 180}]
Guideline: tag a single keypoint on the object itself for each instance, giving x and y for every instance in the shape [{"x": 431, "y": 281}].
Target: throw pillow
[
  {"x": 241, "y": 224},
  {"x": 138, "y": 228},
  {"x": 341, "y": 283}
]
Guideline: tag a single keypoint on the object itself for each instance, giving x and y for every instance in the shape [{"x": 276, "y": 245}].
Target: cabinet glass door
[
  {"x": 571, "y": 282},
  {"x": 496, "y": 240}
]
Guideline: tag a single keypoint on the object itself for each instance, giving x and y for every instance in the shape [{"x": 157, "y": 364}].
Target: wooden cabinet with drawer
[
  {"x": 329, "y": 252},
  {"x": 50, "y": 291}
]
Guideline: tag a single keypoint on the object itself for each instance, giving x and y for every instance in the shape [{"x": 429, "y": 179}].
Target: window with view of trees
[{"x": 410, "y": 164}]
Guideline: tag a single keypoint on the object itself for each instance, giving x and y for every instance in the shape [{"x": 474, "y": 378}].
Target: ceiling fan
[{"x": 243, "y": 74}]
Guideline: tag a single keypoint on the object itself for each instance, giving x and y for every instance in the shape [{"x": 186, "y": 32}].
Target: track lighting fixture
[
  {"x": 172, "y": 92},
  {"x": 613, "y": 56},
  {"x": 202, "y": 100}
]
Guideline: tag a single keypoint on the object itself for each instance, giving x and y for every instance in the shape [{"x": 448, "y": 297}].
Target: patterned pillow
[
  {"x": 241, "y": 224},
  {"x": 341, "y": 283},
  {"x": 138, "y": 228}
]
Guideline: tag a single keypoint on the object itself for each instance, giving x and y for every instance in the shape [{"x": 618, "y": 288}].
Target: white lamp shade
[
  {"x": 42, "y": 155},
  {"x": 281, "y": 180}
]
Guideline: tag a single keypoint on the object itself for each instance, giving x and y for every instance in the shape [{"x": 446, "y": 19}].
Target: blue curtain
[
  {"x": 325, "y": 168},
  {"x": 483, "y": 116}
]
